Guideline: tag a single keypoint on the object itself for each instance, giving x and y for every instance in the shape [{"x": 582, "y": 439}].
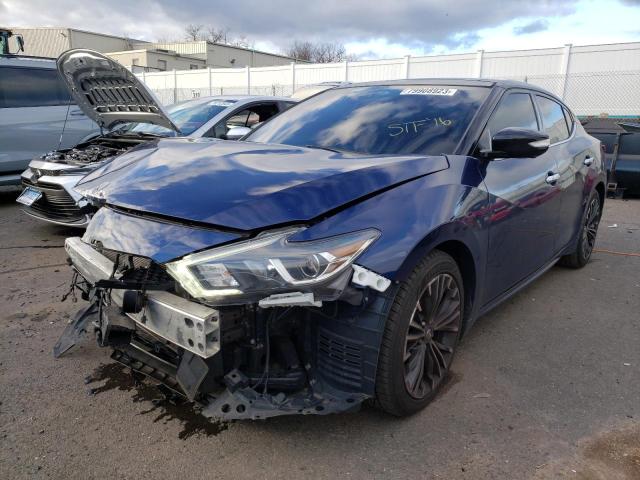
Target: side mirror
[
  {"x": 236, "y": 133},
  {"x": 20, "y": 41},
  {"x": 514, "y": 142}
]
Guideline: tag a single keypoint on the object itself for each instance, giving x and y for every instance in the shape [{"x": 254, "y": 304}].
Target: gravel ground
[{"x": 545, "y": 386}]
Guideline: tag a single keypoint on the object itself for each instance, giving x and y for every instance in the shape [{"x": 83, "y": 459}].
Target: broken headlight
[{"x": 268, "y": 264}]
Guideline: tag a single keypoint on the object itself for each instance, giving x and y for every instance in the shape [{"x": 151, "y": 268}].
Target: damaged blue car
[{"x": 339, "y": 251}]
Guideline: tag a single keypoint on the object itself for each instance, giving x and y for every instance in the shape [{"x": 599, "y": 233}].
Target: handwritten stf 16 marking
[{"x": 415, "y": 125}]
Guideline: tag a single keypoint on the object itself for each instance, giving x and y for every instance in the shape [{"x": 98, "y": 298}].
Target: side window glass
[
  {"x": 553, "y": 121},
  {"x": 253, "y": 119},
  {"x": 31, "y": 87},
  {"x": 238, "y": 120},
  {"x": 514, "y": 110},
  {"x": 250, "y": 117}
]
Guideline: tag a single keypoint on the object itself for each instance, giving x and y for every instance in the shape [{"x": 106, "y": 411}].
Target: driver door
[{"x": 524, "y": 202}]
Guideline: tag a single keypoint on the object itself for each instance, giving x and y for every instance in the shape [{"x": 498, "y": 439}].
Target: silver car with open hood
[{"x": 130, "y": 115}]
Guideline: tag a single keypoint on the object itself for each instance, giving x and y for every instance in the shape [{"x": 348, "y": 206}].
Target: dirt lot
[{"x": 546, "y": 386}]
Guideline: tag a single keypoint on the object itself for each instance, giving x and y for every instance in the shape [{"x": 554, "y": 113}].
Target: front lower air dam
[{"x": 255, "y": 329}]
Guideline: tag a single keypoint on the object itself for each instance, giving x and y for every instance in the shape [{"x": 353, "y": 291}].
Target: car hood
[
  {"x": 107, "y": 92},
  {"x": 244, "y": 185}
]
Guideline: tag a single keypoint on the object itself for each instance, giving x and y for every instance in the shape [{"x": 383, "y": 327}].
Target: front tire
[
  {"x": 421, "y": 335},
  {"x": 587, "y": 237}
]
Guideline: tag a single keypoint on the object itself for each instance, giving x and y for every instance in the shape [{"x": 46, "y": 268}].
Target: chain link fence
[{"x": 587, "y": 94}]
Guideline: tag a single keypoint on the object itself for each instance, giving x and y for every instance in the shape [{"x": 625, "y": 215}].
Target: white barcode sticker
[{"x": 429, "y": 91}]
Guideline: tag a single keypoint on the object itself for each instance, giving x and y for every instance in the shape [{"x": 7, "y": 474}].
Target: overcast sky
[{"x": 369, "y": 28}]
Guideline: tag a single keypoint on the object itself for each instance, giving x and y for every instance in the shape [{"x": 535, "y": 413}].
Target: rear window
[
  {"x": 31, "y": 87},
  {"x": 421, "y": 119}
]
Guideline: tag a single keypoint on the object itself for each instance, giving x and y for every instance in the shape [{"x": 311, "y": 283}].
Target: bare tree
[
  {"x": 323, "y": 52},
  {"x": 217, "y": 35},
  {"x": 241, "y": 41},
  {"x": 301, "y": 50},
  {"x": 329, "y": 52},
  {"x": 193, "y": 32}
]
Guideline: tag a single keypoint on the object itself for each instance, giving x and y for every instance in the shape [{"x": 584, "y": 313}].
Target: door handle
[
  {"x": 588, "y": 161},
  {"x": 76, "y": 113},
  {"x": 552, "y": 178}
]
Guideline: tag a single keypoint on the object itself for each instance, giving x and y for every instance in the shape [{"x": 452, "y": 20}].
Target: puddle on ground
[{"x": 165, "y": 405}]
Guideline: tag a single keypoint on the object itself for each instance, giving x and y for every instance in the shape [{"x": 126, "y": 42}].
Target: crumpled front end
[{"x": 242, "y": 327}]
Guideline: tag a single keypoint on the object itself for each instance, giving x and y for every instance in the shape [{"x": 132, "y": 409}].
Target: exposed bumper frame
[{"x": 190, "y": 325}]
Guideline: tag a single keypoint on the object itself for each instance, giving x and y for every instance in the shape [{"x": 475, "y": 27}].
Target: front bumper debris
[
  {"x": 238, "y": 362},
  {"x": 189, "y": 325}
]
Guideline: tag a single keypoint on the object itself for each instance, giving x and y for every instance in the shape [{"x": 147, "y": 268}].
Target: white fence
[{"x": 593, "y": 79}]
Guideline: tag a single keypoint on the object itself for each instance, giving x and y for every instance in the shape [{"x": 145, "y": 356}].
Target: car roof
[
  {"x": 462, "y": 82},
  {"x": 236, "y": 99},
  {"x": 456, "y": 82}
]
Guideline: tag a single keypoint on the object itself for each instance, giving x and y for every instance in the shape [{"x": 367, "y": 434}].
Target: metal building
[{"x": 139, "y": 55}]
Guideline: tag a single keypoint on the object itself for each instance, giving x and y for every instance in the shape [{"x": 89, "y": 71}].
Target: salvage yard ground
[{"x": 545, "y": 386}]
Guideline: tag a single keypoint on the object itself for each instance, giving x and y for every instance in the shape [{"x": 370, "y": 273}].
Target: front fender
[{"x": 413, "y": 219}]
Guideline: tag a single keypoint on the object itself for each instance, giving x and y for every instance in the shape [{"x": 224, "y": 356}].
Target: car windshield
[
  {"x": 187, "y": 116},
  {"x": 420, "y": 119}
]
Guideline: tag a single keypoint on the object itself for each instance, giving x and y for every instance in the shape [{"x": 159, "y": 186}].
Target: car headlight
[{"x": 268, "y": 264}]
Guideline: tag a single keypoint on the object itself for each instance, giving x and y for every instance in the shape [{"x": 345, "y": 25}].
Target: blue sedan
[{"x": 339, "y": 251}]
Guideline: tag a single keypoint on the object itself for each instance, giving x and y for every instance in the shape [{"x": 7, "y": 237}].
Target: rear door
[
  {"x": 574, "y": 154},
  {"x": 34, "y": 105},
  {"x": 524, "y": 202}
]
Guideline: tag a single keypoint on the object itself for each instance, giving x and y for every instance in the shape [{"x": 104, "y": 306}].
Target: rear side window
[
  {"x": 630, "y": 144},
  {"x": 515, "y": 110},
  {"x": 553, "y": 121},
  {"x": 31, "y": 87},
  {"x": 608, "y": 140}
]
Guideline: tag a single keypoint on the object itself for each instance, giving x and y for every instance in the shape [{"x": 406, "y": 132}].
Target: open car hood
[
  {"x": 107, "y": 92},
  {"x": 244, "y": 185}
]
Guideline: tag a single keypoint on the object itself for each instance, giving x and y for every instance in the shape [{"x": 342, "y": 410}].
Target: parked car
[
  {"x": 339, "y": 252},
  {"x": 49, "y": 181},
  {"x": 623, "y": 160},
  {"x": 36, "y": 114},
  {"x": 307, "y": 91}
]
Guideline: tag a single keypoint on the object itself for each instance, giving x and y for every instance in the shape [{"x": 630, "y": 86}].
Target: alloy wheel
[
  {"x": 432, "y": 336},
  {"x": 590, "y": 227}
]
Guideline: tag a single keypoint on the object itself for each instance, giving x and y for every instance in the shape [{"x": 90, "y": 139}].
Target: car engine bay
[{"x": 93, "y": 151}]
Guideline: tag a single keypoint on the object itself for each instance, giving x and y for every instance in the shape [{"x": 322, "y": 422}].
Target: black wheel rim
[
  {"x": 590, "y": 229},
  {"x": 432, "y": 336}
]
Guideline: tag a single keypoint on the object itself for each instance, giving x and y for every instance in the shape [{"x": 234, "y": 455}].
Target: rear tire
[
  {"x": 421, "y": 335},
  {"x": 587, "y": 236}
]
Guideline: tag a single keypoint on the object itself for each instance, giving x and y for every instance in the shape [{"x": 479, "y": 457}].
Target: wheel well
[{"x": 463, "y": 257}]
